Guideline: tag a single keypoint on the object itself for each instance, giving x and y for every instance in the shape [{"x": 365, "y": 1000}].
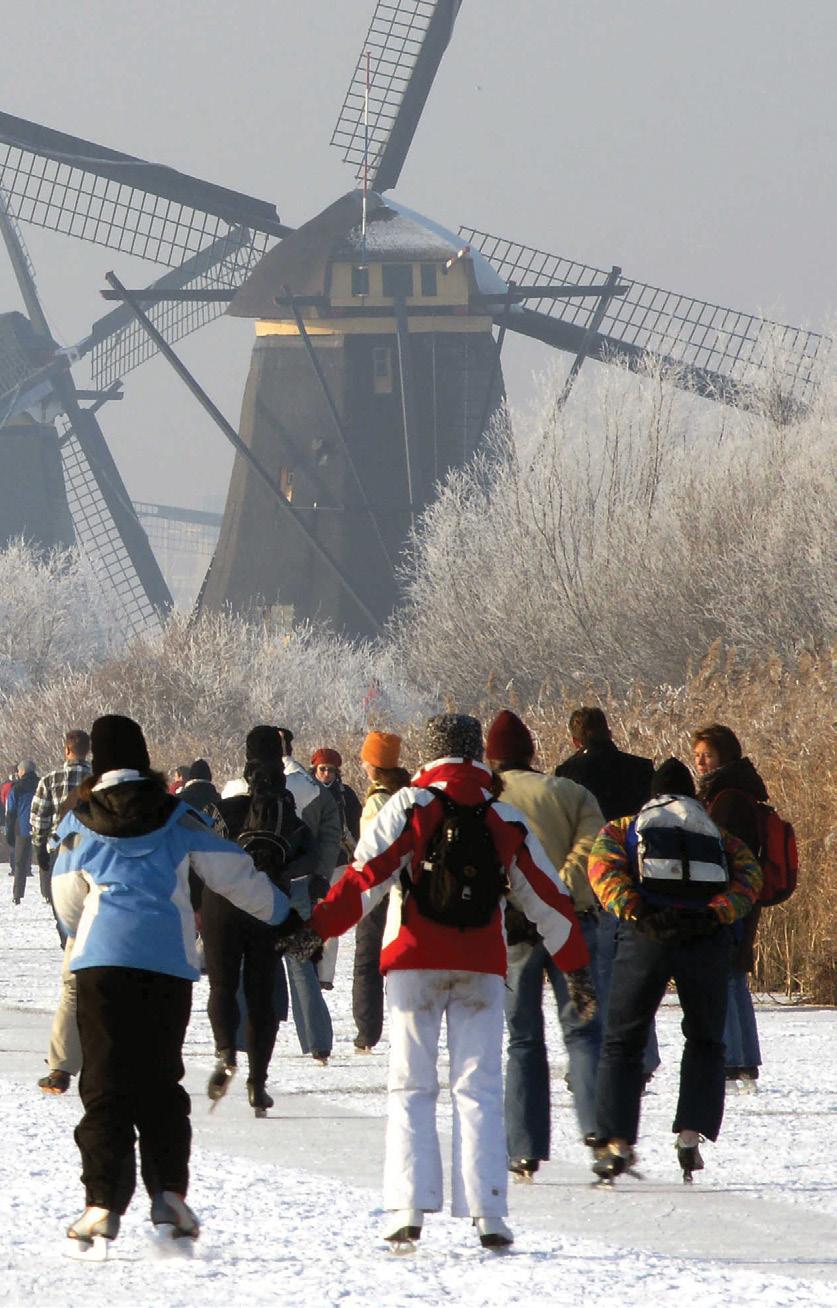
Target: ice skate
[
  {"x": 403, "y": 1229},
  {"x": 688, "y": 1154},
  {"x": 219, "y": 1082},
  {"x": 89, "y": 1236},
  {"x": 55, "y": 1083},
  {"x": 493, "y": 1233},
  {"x": 321, "y": 1056},
  {"x": 611, "y": 1160},
  {"x": 258, "y": 1098},
  {"x": 523, "y": 1169},
  {"x": 175, "y": 1225}
]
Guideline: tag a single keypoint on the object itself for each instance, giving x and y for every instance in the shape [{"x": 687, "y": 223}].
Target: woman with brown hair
[
  {"x": 730, "y": 789},
  {"x": 379, "y": 757}
]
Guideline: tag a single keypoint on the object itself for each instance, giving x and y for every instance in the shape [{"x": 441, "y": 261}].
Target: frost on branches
[{"x": 614, "y": 542}]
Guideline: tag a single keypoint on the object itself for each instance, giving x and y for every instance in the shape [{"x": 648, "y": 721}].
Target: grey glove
[{"x": 582, "y": 993}]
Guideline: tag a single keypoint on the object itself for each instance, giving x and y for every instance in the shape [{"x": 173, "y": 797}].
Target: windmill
[{"x": 376, "y": 367}]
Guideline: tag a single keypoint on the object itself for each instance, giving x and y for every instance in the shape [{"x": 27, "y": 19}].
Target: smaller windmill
[{"x": 62, "y": 485}]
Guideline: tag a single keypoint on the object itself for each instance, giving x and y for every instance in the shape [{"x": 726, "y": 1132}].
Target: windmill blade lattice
[
  {"x": 405, "y": 44},
  {"x": 704, "y": 339},
  {"x": 69, "y": 185},
  {"x": 119, "y": 344},
  {"x": 98, "y": 537}
]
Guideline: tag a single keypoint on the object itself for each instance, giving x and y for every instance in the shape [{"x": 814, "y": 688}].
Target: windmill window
[
  {"x": 360, "y": 280},
  {"x": 286, "y": 483},
  {"x": 398, "y": 280},
  {"x": 428, "y": 279},
  {"x": 382, "y": 370}
]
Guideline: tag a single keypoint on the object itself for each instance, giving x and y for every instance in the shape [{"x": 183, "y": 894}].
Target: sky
[{"x": 692, "y": 144}]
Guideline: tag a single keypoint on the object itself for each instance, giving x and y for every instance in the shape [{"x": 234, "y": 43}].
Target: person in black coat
[
  {"x": 235, "y": 944},
  {"x": 200, "y": 791},
  {"x": 730, "y": 789},
  {"x": 621, "y": 783}
]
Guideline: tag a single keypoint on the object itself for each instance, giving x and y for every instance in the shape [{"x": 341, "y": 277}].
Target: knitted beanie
[
  {"x": 452, "y": 735},
  {"x": 672, "y": 778},
  {"x": 329, "y": 757},
  {"x": 508, "y": 740},
  {"x": 380, "y": 749},
  {"x": 264, "y": 743},
  {"x": 117, "y": 742}
]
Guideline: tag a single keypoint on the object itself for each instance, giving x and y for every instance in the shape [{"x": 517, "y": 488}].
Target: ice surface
[{"x": 290, "y": 1206}]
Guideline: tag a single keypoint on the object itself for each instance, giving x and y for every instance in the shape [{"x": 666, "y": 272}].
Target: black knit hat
[
  {"x": 117, "y": 742},
  {"x": 672, "y": 778},
  {"x": 264, "y": 743},
  {"x": 200, "y": 770},
  {"x": 452, "y": 735}
]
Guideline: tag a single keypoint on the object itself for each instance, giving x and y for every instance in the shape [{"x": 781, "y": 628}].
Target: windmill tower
[{"x": 374, "y": 372}]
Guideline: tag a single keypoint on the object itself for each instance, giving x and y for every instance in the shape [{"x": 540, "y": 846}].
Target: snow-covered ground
[{"x": 290, "y": 1206}]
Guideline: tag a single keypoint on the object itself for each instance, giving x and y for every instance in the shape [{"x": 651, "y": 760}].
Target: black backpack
[
  {"x": 261, "y": 837},
  {"x": 460, "y": 880}
]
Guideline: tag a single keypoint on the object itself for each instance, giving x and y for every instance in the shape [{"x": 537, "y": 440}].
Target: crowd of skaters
[{"x": 573, "y": 916}]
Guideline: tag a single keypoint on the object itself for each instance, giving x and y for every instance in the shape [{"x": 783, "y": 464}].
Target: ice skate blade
[
  {"x": 260, "y": 1112},
  {"x": 170, "y": 1242},
  {"x": 523, "y": 1178},
  {"x": 87, "y": 1251},
  {"x": 402, "y": 1248}
]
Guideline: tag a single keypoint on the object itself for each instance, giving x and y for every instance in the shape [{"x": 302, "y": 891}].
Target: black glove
[
  {"x": 583, "y": 993},
  {"x": 42, "y": 857},
  {"x": 282, "y": 933},
  {"x": 668, "y": 924}
]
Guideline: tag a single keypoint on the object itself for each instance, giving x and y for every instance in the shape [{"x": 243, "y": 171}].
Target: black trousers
[
  {"x": 641, "y": 971},
  {"x": 239, "y": 948},
  {"x": 367, "y": 982},
  {"x": 132, "y": 1025}
]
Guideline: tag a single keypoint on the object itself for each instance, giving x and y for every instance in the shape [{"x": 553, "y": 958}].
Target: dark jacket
[
  {"x": 302, "y": 857},
  {"x": 18, "y": 807},
  {"x": 620, "y": 782},
  {"x": 200, "y": 794},
  {"x": 730, "y": 795}
]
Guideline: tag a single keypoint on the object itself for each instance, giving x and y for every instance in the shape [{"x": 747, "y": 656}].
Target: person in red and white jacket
[{"x": 434, "y": 970}]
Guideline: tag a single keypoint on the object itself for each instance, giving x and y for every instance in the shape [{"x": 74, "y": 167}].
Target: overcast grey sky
[{"x": 693, "y": 142}]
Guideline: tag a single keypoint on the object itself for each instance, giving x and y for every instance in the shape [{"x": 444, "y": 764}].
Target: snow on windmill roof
[{"x": 393, "y": 232}]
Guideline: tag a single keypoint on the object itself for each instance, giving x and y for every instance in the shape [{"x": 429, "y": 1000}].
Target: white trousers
[{"x": 472, "y": 1004}]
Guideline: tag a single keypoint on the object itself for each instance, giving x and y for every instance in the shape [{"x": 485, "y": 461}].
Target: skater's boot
[
  {"x": 219, "y": 1081},
  {"x": 403, "y": 1227},
  {"x": 493, "y": 1232},
  {"x": 91, "y": 1233},
  {"x": 612, "y": 1159},
  {"x": 258, "y": 1097},
  {"x": 688, "y": 1154},
  {"x": 523, "y": 1169},
  {"x": 172, "y": 1216}
]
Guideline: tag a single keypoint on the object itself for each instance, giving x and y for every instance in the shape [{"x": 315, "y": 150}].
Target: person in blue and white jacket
[{"x": 121, "y": 889}]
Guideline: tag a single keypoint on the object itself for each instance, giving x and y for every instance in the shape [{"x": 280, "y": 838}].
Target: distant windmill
[{"x": 375, "y": 368}]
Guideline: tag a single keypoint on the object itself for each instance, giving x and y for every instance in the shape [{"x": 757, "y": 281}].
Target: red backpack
[{"x": 776, "y": 853}]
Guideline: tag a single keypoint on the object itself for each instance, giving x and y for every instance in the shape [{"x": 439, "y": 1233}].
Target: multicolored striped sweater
[{"x": 613, "y": 879}]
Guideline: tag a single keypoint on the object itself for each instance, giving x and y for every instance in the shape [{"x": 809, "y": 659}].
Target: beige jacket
[
  {"x": 375, "y": 801},
  {"x": 565, "y": 818}
]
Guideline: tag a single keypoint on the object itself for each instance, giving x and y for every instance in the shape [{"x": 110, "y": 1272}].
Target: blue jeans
[
  {"x": 604, "y": 969},
  {"x": 641, "y": 971},
  {"x": 527, "y": 1099},
  {"x": 741, "y": 1037},
  {"x": 310, "y": 1011}
]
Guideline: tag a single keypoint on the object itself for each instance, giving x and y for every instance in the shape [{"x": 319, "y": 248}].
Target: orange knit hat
[{"x": 380, "y": 749}]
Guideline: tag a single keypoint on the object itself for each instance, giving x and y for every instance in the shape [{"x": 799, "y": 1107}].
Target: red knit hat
[
  {"x": 508, "y": 740},
  {"x": 328, "y": 756}
]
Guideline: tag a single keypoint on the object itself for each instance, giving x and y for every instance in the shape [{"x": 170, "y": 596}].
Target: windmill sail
[
  {"x": 718, "y": 351},
  {"x": 96, "y": 194},
  {"x": 405, "y": 44}
]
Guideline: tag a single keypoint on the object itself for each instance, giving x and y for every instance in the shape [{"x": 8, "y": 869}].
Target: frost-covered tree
[
  {"x": 52, "y": 613},
  {"x": 642, "y": 525}
]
